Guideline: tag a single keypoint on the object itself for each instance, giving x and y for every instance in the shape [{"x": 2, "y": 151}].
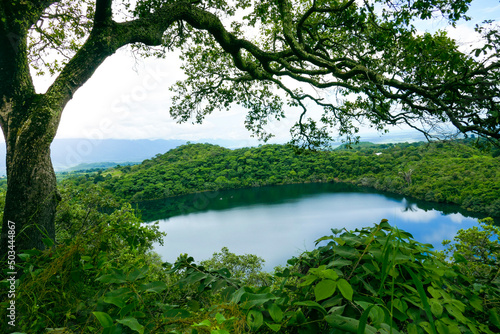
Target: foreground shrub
[{"x": 370, "y": 280}]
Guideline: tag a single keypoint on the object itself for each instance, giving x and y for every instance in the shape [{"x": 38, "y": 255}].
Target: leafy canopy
[{"x": 339, "y": 62}]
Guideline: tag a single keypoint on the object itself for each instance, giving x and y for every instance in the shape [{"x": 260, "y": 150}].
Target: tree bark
[{"x": 32, "y": 196}]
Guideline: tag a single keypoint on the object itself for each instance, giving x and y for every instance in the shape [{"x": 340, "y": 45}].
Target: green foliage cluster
[
  {"x": 101, "y": 278},
  {"x": 476, "y": 253},
  {"x": 448, "y": 172},
  {"x": 96, "y": 234},
  {"x": 247, "y": 268}
]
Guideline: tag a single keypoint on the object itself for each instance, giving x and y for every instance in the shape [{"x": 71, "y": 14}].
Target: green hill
[{"x": 447, "y": 172}]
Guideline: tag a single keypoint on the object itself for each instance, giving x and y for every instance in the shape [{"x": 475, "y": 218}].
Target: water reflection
[{"x": 277, "y": 223}]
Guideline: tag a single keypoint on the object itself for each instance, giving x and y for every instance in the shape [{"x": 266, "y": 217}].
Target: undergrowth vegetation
[{"x": 101, "y": 277}]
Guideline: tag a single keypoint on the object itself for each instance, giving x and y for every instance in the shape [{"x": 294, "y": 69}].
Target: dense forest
[
  {"x": 100, "y": 275},
  {"x": 448, "y": 172}
]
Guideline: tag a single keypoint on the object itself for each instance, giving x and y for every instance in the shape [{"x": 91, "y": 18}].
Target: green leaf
[
  {"x": 275, "y": 312},
  {"x": 494, "y": 317},
  {"x": 326, "y": 237},
  {"x": 312, "y": 304},
  {"x": 153, "y": 287},
  {"x": 329, "y": 273},
  {"x": 118, "y": 297},
  {"x": 138, "y": 274},
  {"x": 204, "y": 323},
  {"x": 274, "y": 327},
  {"x": 48, "y": 242},
  {"x": 220, "y": 318},
  {"x": 87, "y": 266},
  {"x": 249, "y": 300},
  {"x": 324, "y": 289},
  {"x": 348, "y": 324},
  {"x": 113, "y": 278},
  {"x": 436, "y": 307},
  {"x": 346, "y": 252},
  {"x": 178, "y": 313},
  {"x": 120, "y": 302},
  {"x": 308, "y": 280},
  {"x": 194, "y": 277},
  {"x": 104, "y": 319},
  {"x": 455, "y": 312},
  {"x": 363, "y": 320},
  {"x": 423, "y": 298},
  {"x": 133, "y": 324},
  {"x": 337, "y": 310},
  {"x": 345, "y": 288},
  {"x": 476, "y": 302},
  {"x": 219, "y": 331},
  {"x": 255, "y": 319}
]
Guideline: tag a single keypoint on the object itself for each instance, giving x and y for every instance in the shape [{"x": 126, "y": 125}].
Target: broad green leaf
[
  {"x": 341, "y": 263},
  {"x": 249, "y": 300},
  {"x": 330, "y": 273},
  {"x": 495, "y": 317},
  {"x": 274, "y": 327},
  {"x": 219, "y": 331},
  {"x": 312, "y": 304},
  {"x": 326, "y": 237},
  {"x": 473, "y": 328},
  {"x": 275, "y": 312},
  {"x": 194, "y": 277},
  {"x": 133, "y": 324},
  {"x": 48, "y": 242},
  {"x": 220, "y": 318},
  {"x": 345, "y": 288},
  {"x": 337, "y": 310},
  {"x": 255, "y": 319},
  {"x": 128, "y": 308},
  {"x": 204, "y": 323},
  {"x": 339, "y": 240},
  {"x": 476, "y": 302},
  {"x": 120, "y": 302},
  {"x": 334, "y": 301},
  {"x": 194, "y": 305},
  {"x": 346, "y": 252},
  {"x": 324, "y": 289},
  {"x": 113, "y": 278},
  {"x": 348, "y": 324},
  {"x": 436, "y": 307},
  {"x": 400, "y": 305},
  {"x": 236, "y": 297},
  {"x": 87, "y": 266},
  {"x": 363, "y": 320},
  {"x": 104, "y": 319},
  {"x": 153, "y": 287},
  {"x": 423, "y": 299},
  {"x": 178, "y": 313},
  {"x": 455, "y": 312},
  {"x": 138, "y": 273},
  {"x": 308, "y": 280}
]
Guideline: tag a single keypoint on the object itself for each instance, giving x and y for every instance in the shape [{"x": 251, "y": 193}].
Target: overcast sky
[{"x": 129, "y": 99}]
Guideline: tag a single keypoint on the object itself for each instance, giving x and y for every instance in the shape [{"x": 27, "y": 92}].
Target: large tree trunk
[{"x": 32, "y": 197}]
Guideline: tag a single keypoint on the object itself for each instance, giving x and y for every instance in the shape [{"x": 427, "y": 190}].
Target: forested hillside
[{"x": 449, "y": 172}]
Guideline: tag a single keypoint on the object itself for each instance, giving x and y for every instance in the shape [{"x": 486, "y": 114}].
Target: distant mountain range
[{"x": 68, "y": 153}]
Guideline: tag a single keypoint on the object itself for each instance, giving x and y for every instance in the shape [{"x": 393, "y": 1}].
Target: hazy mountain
[{"x": 67, "y": 153}]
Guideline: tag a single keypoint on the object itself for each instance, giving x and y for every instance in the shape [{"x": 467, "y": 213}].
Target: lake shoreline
[{"x": 338, "y": 182}]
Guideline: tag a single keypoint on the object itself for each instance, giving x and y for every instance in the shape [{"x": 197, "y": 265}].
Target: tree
[{"x": 368, "y": 54}]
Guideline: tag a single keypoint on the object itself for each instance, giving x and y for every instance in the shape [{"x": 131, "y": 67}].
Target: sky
[{"x": 129, "y": 98}]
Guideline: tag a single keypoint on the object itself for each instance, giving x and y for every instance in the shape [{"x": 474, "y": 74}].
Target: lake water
[{"x": 277, "y": 223}]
